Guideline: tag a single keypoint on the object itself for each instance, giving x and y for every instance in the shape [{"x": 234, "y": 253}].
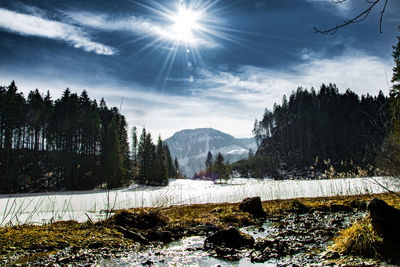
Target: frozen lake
[{"x": 81, "y": 205}]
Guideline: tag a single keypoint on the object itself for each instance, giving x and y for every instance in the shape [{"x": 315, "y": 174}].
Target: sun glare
[
  {"x": 185, "y": 22},
  {"x": 184, "y": 28}
]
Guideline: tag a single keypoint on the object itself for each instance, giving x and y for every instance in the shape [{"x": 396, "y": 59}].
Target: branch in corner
[{"x": 359, "y": 18}]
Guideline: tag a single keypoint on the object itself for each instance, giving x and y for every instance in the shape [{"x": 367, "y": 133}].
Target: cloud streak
[
  {"x": 30, "y": 25},
  {"x": 137, "y": 25}
]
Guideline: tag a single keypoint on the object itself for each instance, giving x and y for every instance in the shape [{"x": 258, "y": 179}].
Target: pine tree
[
  {"x": 395, "y": 91},
  {"x": 112, "y": 168},
  {"x": 178, "y": 172},
  {"x": 142, "y": 160},
  {"x": 220, "y": 167},
  {"x": 160, "y": 170},
  {"x": 209, "y": 163},
  {"x": 134, "y": 153},
  {"x": 169, "y": 163}
]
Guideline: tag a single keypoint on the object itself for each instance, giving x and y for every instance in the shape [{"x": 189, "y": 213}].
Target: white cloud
[
  {"x": 140, "y": 26},
  {"x": 359, "y": 72},
  {"x": 31, "y": 25},
  {"x": 227, "y": 101}
]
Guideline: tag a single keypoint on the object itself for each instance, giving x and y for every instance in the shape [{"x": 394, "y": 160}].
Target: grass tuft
[{"x": 359, "y": 240}]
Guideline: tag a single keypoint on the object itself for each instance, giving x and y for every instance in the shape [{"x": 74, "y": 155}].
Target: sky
[{"x": 176, "y": 64}]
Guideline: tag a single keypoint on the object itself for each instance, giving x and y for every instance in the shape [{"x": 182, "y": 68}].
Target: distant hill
[{"x": 190, "y": 147}]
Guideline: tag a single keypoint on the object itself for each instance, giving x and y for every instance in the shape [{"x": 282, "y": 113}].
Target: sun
[
  {"x": 182, "y": 31},
  {"x": 185, "y": 22}
]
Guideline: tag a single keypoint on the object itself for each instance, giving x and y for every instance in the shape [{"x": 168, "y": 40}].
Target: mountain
[{"x": 190, "y": 147}]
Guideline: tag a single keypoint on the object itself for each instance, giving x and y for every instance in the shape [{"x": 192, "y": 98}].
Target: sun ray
[{"x": 187, "y": 29}]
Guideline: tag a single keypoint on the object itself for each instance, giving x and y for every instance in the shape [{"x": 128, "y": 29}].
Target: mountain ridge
[{"x": 190, "y": 147}]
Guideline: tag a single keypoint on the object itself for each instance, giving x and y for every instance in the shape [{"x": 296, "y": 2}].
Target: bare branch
[
  {"x": 360, "y": 17},
  {"x": 381, "y": 18}
]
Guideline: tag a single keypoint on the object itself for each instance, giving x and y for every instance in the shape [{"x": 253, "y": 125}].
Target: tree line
[
  {"x": 312, "y": 131},
  {"x": 218, "y": 169},
  {"x": 68, "y": 143},
  {"x": 312, "y": 128},
  {"x": 152, "y": 164}
]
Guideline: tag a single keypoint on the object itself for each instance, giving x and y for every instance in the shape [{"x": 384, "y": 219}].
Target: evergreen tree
[
  {"x": 395, "y": 91},
  {"x": 46, "y": 144},
  {"x": 327, "y": 124},
  {"x": 160, "y": 170},
  {"x": 220, "y": 167},
  {"x": 209, "y": 163},
  {"x": 134, "y": 153},
  {"x": 178, "y": 173},
  {"x": 169, "y": 163},
  {"x": 142, "y": 160},
  {"x": 389, "y": 157},
  {"x": 113, "y": 163}
]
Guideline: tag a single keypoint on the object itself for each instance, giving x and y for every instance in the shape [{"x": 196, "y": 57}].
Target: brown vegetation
[{"x": 177, "y": 221}]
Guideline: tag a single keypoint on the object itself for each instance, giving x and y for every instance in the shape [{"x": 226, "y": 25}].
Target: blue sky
[{"x": 189, "y": 64}]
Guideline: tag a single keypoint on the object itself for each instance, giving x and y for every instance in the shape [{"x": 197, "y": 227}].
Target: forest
[
  {"x": 329, "y": 133},
  {"x": 216, "y": 170},
  {"x": 313, "y": 130},
  {"x": 72, "y": 143}
]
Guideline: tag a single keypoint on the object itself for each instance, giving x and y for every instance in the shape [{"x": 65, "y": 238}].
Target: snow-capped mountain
[{"x": 190, "y": 147}]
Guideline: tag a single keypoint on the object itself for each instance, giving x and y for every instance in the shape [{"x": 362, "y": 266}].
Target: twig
[
  {"x": 360, "y": 17},
  {"x": 90, "y": 219},
  {"x": 385, "y": 187}
]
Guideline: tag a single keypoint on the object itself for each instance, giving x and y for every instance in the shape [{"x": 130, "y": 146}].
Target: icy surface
[{"x": 81, "y": 205}]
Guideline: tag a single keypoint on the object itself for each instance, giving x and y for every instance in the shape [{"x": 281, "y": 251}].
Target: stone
[
  {"x": 230, "y": 238},
  {"x": 132, "y": 235},
  {"x": 144, "y": 220},
  {"x": 273, "y": 248},
  {"x": 339, "y": 208},
  {"x": 385, "y": 219},
  {"x": 359, "y": 205},
  {"x": 95, "y": 245},
  {"x": 159, "y": 235},
  {"x": 253, "y": 206},
  {"x": 298, "y": 207},
  {"x": 330, "y": 255}
]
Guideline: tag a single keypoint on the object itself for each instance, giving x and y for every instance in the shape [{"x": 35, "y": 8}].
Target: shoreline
[{"x": 45, "y": 208}]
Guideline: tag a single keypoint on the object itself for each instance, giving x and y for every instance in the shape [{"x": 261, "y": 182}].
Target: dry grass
[
  {"x": 59, "y": 235},
  {"x": 359, "y": 240}
]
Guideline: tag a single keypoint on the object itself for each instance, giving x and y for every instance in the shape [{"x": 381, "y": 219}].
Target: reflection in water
[{"x": 185, "y": 252}]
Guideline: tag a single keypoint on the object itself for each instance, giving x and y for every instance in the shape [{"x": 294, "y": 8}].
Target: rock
[
  {"x": 320, "y": 208},
  {"x": 273, "y": 248},
  {"x": 385, "y": 219},
  {"x": 359, "y": 205},
  {"x": 253, "y": 206},
  {"x": 95, "y": 245},
  {"x": 231, "y": 238},
  {"x": 298, "y": 207},
  {"x": 124, "y": 218},
  {"x": 132, "y": 235},
  {"x": 65, "y": 260},
  {"x": 143, "y": 220},
  {"x": 338, "y": 207},
  {"x": 228, "y": 254},
  {"x": 159, "y": 235},
  {"x": 330, "y": 255},
  {"x": 148, "y": 262}
]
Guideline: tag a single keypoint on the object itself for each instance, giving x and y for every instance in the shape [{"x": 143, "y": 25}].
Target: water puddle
[
  {"x": 185, "y": 252},
  {"x": 293, "y": 230}
]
